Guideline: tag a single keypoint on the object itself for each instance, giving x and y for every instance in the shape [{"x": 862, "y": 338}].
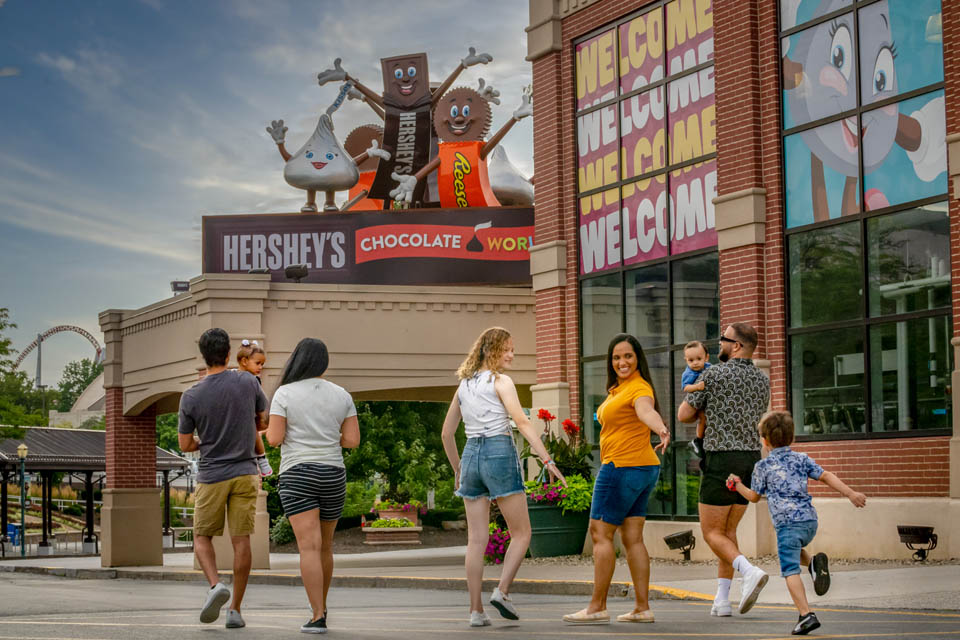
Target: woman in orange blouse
[{"x": 628, "y": 474}]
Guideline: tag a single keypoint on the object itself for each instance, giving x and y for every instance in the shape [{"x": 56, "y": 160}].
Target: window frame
[{"x": 865, "y": 321}]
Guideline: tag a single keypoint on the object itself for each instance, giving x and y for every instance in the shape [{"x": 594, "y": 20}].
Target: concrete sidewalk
[{"x": 873, "y": 585}]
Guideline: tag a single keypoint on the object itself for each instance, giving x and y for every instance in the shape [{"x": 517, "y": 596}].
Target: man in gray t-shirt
[{"x": 223, "y": 410}]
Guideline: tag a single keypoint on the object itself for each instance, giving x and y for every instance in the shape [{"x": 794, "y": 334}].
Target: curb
[{"x": 547, "y": 587}]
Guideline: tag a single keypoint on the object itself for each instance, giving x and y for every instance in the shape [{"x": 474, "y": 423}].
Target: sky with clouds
[{"x": 122, "y": 122}]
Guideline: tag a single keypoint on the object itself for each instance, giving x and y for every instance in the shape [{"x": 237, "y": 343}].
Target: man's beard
[{"x": 723, "y": 356}]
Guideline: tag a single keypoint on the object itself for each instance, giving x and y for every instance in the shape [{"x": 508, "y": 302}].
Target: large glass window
[
  {"x": 868, "y": 258},
  {"x": 646, "y": 140}
]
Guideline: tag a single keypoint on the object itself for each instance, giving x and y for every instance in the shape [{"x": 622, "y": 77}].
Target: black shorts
[
  {"x": 719, "y": 466},
  {"x": 311, "y": 485}
]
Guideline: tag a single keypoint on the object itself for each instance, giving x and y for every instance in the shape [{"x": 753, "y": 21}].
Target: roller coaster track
[{"x": 60, "y": 329}]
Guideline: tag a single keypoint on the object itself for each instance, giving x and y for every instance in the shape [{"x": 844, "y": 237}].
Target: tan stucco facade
[{"x": 386, "y": 342}]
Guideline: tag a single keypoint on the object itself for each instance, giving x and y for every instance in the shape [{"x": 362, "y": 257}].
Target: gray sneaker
[
  {"x": 217, "y": 596},
  {"x": 234, "y": 619}
]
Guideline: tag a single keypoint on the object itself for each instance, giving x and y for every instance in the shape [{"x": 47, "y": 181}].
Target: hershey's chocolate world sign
[{"x": 423, "y": 247}]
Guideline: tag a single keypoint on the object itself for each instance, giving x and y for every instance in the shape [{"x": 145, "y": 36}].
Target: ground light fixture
[
  {"x": 911, "y": 535},
  {"x": 296, "y": 272},
  {"x": 684, "y": 541},
  {"x": 22, "y": 452}
]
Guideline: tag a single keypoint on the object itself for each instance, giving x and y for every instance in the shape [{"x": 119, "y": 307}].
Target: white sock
[
  {"x": 723, "y": 590},
  {"x": 741, "y": 564}
]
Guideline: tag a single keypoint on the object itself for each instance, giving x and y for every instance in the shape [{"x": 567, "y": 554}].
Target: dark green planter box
[{"x": 555, "y": 534}]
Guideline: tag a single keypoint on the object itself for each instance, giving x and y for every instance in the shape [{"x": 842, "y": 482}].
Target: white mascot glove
[{"x": 930, "y": 158}]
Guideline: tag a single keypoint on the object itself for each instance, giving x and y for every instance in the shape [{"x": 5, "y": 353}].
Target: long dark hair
[
  {"x": 308, "y": 360},
  {"x": 642, "y": 366}
]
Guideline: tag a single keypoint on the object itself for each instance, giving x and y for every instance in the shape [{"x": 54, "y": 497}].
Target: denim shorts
[
  {"x": 489, "y": 468},
  {"x": 791, "y": 538},
  {"x": 622, "y": 492}
]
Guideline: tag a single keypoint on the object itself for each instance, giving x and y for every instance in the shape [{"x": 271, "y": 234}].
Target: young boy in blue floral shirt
[{"x": 782, "y": 477}]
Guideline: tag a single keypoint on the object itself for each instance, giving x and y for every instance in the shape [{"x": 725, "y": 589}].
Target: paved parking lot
[{"x": 47, "y": 607}]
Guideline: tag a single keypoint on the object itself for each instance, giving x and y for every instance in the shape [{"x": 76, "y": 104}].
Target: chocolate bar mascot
[
  {"x": 462, "y": 121},
  {"x": 406, "y": 106}
]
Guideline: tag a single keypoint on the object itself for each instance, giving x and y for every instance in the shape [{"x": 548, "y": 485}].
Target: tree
[
  {"x": 401, "y": 442},
  {"x": 77, "y": 376},
  {"x": 167, "y": 432},
  {"x": 96, "y": 422},
  {"x": 20, "y": 403}
]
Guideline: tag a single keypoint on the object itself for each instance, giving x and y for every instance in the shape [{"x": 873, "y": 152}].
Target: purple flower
[{"x": 497, "y": 561}]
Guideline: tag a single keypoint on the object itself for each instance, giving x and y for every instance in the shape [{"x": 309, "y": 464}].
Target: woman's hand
[
  {"x": 456, "y": 480},
  {"x": 664, "y": 441},
  {"x": 557, "y": 476}
]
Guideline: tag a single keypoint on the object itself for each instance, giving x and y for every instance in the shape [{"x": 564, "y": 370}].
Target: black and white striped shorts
[{"x": 311, "y": 485}]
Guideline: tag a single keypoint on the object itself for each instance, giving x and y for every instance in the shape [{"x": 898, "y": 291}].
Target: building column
[
  {"x": 555, "y": 286},
  {"x": 130, "y": 524}
]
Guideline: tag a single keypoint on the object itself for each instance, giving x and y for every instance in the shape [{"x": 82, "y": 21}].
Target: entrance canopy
[{"x": 52, "y": 449}]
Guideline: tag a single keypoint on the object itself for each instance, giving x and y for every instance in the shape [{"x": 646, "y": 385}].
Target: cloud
[
  {"x": 156, "y": 5},
  {"x": 61, "y": 63},
  {"x": 7, "y": 72},
  {"x": 1, "y": 2}
]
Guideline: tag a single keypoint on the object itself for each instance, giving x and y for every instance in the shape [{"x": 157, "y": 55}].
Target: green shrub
[
  {"x": 390, "y": 523},
  {"x": 360, "y": 497},
  {"x": 74, "y": 510},
  {"x": 282, "y": 532}
]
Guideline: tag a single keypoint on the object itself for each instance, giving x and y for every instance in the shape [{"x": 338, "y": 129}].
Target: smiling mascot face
[
  {"x": 461, "y": 115},
  {"x": 321, "y": 164},
  {"x": 406, "y": 79}
]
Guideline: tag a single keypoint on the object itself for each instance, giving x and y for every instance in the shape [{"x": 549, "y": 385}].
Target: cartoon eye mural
[
  {"x": 466, "y": 111},
  {"x": 883, "y": 71},
  {"x": 398, "y": 73},
  {"x": 841, "y": 49},
  {"x": 309, "y": 154},
  {"x": 454, "y": 112},
  {"x": 412, "y": 71},
  {"x": 329, "y": 156}
]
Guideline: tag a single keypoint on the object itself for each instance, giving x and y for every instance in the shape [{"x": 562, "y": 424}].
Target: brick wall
[
  {"x": 131, "y": 445},
  {"x": 951, "y": 73},
  {"x": 884, "y": 468}
]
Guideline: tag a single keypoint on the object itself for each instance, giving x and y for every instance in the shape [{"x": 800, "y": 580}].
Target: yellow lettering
[
  {"x": 655, "y": 33},
  {"x": 636, "y": 49},
  {"x": 659, "y": 150},
  {"x": 589, "y": 176},
  {"x": 687, "y": 142},
  {"x": 628, "y": 189},
  {"x": 605, "y": 56},
  {"x": 585, "y": 207},
  {"x": 704, "y": 16},
  {"x": 494, "y": 243},
  {"x": 587, "y": 70},
  {"x": 681, "y": 22},
  {"x": 509, "y": 244},
  {"x": 708, "y": 122},
  {"x": 461, "y": 167}
]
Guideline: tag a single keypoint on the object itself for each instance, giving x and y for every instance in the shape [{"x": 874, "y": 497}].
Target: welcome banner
[{"x": 422, "y": 247}]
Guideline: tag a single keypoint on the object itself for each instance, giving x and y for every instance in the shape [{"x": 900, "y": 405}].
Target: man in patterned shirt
[{"x": 735, "y": 396}]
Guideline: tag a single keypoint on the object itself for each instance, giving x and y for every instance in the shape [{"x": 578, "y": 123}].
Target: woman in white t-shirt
[
  {"x": 486, "y": 400},
  {"x": 312, "y": 419}
]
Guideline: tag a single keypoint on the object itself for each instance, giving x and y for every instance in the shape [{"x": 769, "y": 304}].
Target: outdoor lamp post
[{"x": 22, "y": 454}]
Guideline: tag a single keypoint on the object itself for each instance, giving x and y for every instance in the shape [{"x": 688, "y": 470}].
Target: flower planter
[
  {"x": 411, "y": 514},
  {"x": 555, "y": 534},
  {"x": 390, "y": 535}
]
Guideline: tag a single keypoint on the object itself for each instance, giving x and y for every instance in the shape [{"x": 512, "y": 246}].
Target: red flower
[
  {"x": 545, "y": 415},
  {"x": 570, "y": 428}
]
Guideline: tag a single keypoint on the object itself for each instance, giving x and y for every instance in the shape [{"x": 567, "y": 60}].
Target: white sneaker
[
  {"x": 216, "y": 597},
  {"x": 721, "y": 608},
  {"x": 264, "y": 465},
  {"x": 504, "y": 604},
  {"x": 753, "y": 582},
  {"x": 479, "y": 619}
]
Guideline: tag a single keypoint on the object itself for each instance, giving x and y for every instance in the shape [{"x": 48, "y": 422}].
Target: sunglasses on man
[{"x": 726, "y": 339}]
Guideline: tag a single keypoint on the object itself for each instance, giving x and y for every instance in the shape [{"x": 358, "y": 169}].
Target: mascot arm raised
[
  {"x": 338, "y": 74},
  {"x": 471, "y": 59},
  {"x": 524, "y": 110},
  {"x": 279, "y": 132}
]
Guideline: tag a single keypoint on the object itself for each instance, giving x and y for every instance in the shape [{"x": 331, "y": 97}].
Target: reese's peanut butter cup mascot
[
  {"x": 406, "y": 106},
  {"x": 462, "y": 121},
  {"x": 357, "y": 141},
  {"x": 321, "y": 164}
]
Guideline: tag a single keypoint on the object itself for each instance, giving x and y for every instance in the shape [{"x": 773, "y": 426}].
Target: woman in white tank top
[{"x": 486, "y": 400}]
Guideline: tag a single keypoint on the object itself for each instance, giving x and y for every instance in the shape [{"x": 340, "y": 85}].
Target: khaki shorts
[{"x": 236, "y": 497}]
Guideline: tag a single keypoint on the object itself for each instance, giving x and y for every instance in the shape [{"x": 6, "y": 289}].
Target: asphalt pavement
[{"x": 43, "y": 607}]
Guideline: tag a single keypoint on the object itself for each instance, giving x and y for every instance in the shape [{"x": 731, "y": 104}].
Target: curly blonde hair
[{"x": 486, "y": 353}]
